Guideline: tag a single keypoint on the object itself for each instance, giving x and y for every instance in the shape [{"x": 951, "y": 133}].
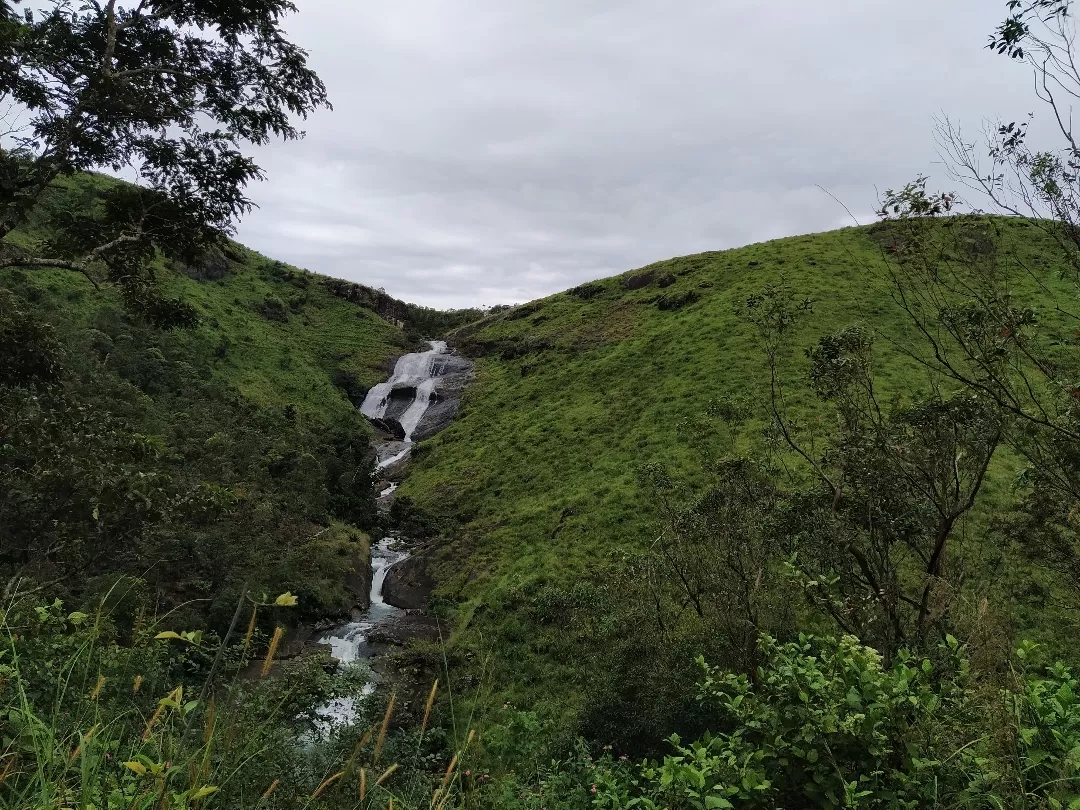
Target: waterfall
[
  {"x": 346, "y": 642},
  {"x": 422, "y": 373},
  {"x": 418, "y": 371}
]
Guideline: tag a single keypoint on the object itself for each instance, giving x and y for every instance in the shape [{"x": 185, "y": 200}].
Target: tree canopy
[{"x": 172, "y": 91}]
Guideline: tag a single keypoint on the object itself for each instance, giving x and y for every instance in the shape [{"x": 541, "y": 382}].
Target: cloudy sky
[{"x": 495, "y": 151}]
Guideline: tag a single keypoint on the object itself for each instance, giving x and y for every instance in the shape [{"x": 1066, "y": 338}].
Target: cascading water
[
  {"x": 418, "y": 371},
  {"x": 347, "y": 642},
  {"x": 423, "y": 374}
]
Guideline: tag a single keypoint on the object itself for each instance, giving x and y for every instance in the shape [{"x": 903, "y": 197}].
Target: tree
[
  {"x": 889, "y": 487},
  {"x": 173, "y": 89},
  {"x": 973, "y": 292}
]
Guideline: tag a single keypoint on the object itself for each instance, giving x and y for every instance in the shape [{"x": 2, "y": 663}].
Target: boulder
[
  {"x": 358, "y": 582},
  {"x": 408, "y": 584},
  {"x": 391, "y": 427}
]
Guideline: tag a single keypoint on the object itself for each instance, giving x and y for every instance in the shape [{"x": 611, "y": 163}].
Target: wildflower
[
  {"x": 592, "y": 789},
  {"x": 623, "y": 758},
  {"x": 468, "y": 773}
]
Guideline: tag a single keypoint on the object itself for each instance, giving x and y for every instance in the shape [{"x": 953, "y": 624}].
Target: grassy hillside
[
  {"x": 272, "y": 330},
  {"x": 244, "y": 433},
  {"x": 577, "y": 391}
]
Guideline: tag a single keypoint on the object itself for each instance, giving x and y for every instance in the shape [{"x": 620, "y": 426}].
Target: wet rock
[
  {"x": 408, "y": 584},
  {"x": 401, "y": 630},
  {"x": 391, "y": 427},
  {"x": 454, "y": 372},
  {"x": 358, "y": 583}
]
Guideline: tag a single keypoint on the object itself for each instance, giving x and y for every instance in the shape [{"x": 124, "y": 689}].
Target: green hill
[
  {"x": 577, "y": 391},
  {"x": 237, "y": 437}
]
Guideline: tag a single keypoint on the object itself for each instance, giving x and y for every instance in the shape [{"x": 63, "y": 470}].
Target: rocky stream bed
[{"x": 418, "y": 400}]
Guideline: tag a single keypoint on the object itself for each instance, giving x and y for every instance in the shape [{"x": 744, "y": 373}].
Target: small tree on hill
[
  {"x": 174, "y": 89},
  {"x": 976, "y": 295}
]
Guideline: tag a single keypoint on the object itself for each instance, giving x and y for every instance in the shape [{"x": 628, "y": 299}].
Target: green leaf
[
  {"x": 286, "y": 600},
  {"x": 137, "y": 767},
  {"x": 169, "y": 634},
  {"x": 717, "y": 803},
  {"x": 203, "y": 792}
]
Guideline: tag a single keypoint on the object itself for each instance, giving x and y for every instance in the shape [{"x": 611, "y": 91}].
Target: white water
[
  {"x": 346, "y": 641},
  {"x": 417, "y": 370}
]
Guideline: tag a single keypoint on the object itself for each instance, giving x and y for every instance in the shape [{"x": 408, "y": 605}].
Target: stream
[{"x": 423, "y": 384}]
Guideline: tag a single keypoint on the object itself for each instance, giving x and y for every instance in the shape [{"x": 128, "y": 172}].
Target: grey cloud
[{"x": 484, "y": 151}]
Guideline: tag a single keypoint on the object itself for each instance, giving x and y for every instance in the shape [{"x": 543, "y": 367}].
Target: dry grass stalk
[
  {"x": 274, "y": 641},
  {"x": 327, "y": 782},
  {"x": 382, "y": 729},
  {"x": 443, "y": 790},
  {"x": 363, "y": 783},
  {"x": 386, "y": 774},
  {"x": 78, "y": 748},
  {"x": 96, "y": 692},
  {"x": 270, "y": 790},
  {"x": 136, "y": 685},
  {"x": 427, "y": 706},
  {"x": 152, "y": 721},
  {"x": 449, "y": 772},
  {"x": 8, "y": 765},
  {"x": 355, "y": 755}
]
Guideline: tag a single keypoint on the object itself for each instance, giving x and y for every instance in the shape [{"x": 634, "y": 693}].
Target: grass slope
[
  {"x": 273, "y": 330},
  {"x": 255, "y": 400},
  {"x": 575, "y": 391}
]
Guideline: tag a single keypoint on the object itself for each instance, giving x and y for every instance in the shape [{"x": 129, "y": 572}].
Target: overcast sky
[{"x": 495, "y": 151}]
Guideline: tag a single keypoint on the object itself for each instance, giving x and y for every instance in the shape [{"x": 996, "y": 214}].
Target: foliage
[
  {"x": 823, "y": 724},
  {"x": 144, "y": 85},
  {"x": 99, "y": 712},
  {"x": 196, "y": 459}
]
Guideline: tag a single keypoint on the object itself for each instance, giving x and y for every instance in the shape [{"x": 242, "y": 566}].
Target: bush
[{"x": 825, "y": 724}]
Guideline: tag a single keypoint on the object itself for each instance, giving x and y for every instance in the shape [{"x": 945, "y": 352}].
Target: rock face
[
  {"x": 408, "y": 584},
  {"x": 455, "y": 372},
  {"x": 391, "y": 427},
  {"x": 388, "y": 308},
  {"x": 358, "y": 583}
]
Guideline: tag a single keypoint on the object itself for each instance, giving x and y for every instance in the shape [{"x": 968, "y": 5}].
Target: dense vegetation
[
  {"x": 793, "y": 525},
  {"x": 195, "y": 459}
]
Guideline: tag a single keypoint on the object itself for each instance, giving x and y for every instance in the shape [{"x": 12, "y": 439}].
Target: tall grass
[{"x": 99, "y": 712}]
